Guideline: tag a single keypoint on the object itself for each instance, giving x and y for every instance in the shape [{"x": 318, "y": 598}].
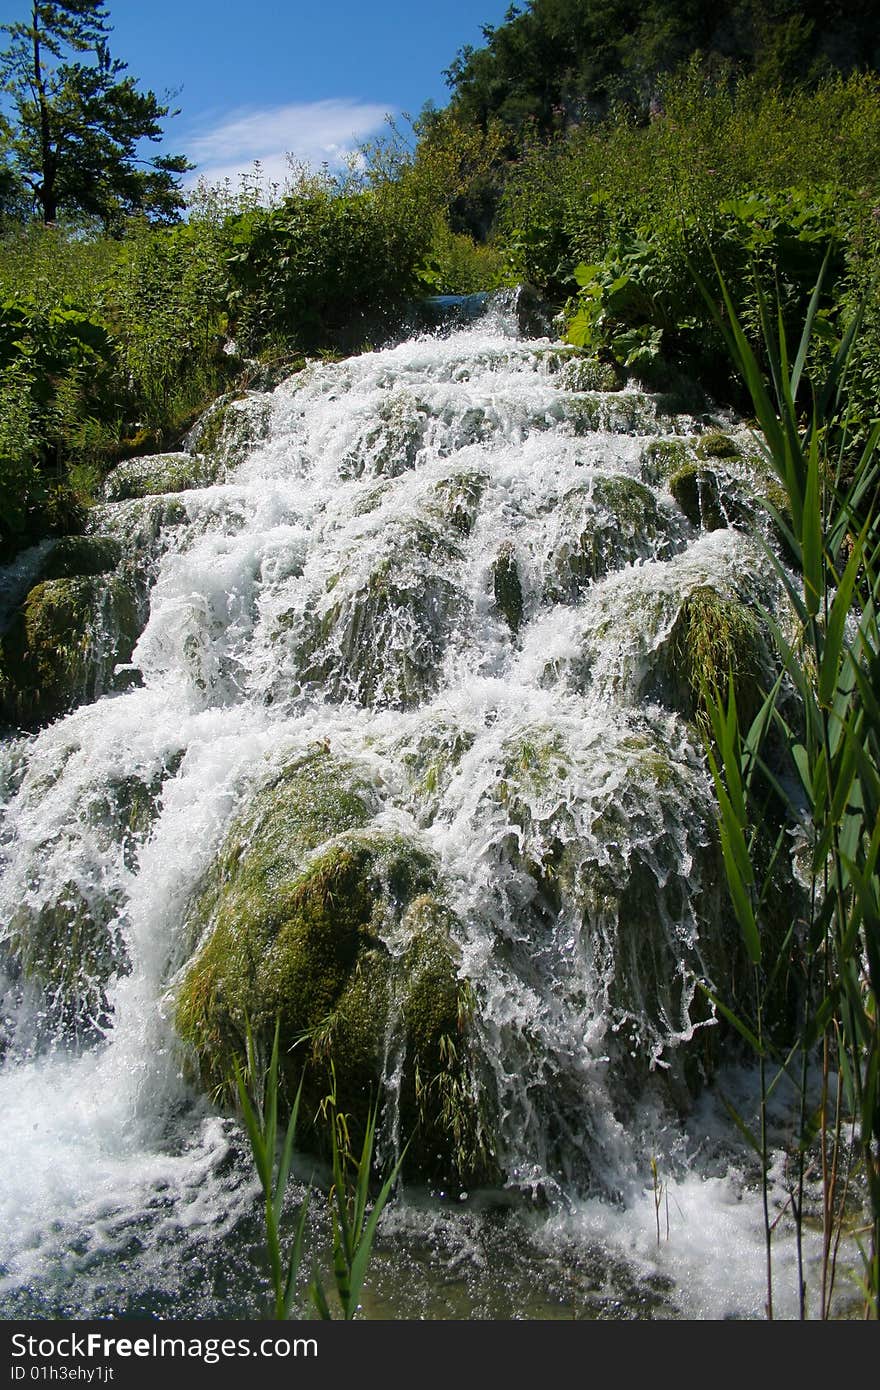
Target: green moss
[
  {"x": 534, "y": 759},
  {"x": 315, "y": 798},
  {"x": 63, "y": 645},
  {"x": 82, "y": 556},
  {"x": 715, "y": 444},
  {"x": 662, "y": 458},
  {"x": 347, "y": 945},
  {"x": 440, "y": 1094},
  {"x": 507, "y": 588},
  {"x": 141, "y": 523}
]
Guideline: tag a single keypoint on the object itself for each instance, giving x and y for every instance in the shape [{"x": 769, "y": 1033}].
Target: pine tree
[{"x": 74, "y": 121}]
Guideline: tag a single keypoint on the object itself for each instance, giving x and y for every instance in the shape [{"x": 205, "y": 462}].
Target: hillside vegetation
[{"x": 602, "y": 151}]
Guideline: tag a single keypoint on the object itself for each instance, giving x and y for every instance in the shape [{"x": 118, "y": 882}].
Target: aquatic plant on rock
[
  {"x": 580, "y": 370},
  {"x": 663, "y": 457},
  {"x": 712, "y": 639},
  {"x": 507, "y": 586}
]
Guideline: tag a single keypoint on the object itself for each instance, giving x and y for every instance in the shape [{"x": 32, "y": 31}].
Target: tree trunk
[{"x": 46, "y": 191}]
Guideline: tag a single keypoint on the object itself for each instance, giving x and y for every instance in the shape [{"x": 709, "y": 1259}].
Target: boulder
[
  {"x": 318, "y": 918},
  {"x": 63, "y": 645}
]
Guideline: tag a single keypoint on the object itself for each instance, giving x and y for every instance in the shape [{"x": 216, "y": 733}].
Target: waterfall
[{"x": 441, "y": 593}]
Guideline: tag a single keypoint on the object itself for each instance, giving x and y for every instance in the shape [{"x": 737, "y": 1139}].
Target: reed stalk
[
  {"x": 828, "y": 566},
  {"x": 353, "y": 1222},
  {"x": 258, "y": 1098}
]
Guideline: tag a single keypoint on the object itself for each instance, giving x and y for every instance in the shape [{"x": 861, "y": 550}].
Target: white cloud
[{"x": 314, "y": 133}]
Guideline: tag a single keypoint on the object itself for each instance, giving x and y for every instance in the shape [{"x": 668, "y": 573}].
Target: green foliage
[
  {"x": 21, "y": 484},
  {"x": 640, "y": 300},
  {"x": 328, "y": 266},
  {"x": 456, "y": 264},
  {"x": 56, "y": 366},
  {"x": 829, "y": 786},
  {"x": 614, "y": 216},
  {"x": 711, "y": 141},
  {"x": 164, "y": 304},
  {"x": 108, "y": 346},
  {"x": 73, "y": 138}
]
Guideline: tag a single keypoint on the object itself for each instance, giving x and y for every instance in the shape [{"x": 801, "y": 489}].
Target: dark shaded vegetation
[{"x": 557, "y": 63}]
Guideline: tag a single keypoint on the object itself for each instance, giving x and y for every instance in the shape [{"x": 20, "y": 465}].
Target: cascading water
[{"x": 456, "y": 572}]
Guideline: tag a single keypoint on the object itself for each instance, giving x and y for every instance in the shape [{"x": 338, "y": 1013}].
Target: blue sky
[{"x": 257, "y": 79}]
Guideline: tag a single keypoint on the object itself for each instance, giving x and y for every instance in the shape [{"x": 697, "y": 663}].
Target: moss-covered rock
[
  {"x": 120, "y": 810},
  {"x": 65, "y": 945},
  {"x": 430, "y": 756},
  {"x": 663, "y": 457},
  {"x": 67, "y": 950},
  {"x": 624, "y": 907},
  {"x": 160, "y": 473},
  {"x": 591, "y": 374},
  {"x": 378, "y": 633},
  {"x": 313, "y": 799},
  {"x": 348, "y": 945},
  {"x": 390, "y": 447},
  {"x": 710, "y": 498},
  {"x": 227, "y": 432},
  {"x": 604, "y": 524},
  {"x": 580, "y": 370},
  {"x": 63, "y": 645},
  {"x": 142, "y": 525},
  {"x": 623, "y": 412},
  {"x": 457, "y": 499},
  {"x": 81, "y": 556},
  {"x": 507, "y": 587},
  {"x": 714, "y": 444}
]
